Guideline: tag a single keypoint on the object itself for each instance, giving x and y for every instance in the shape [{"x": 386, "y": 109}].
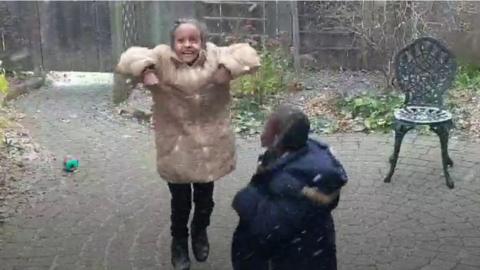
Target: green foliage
[
  {"x": 3, "y": 80},
  {"x": 248, "y": 115},
  {"x": 375, "y": 111},
  {"x": 465, "y": 87},
  {"x": 464, "y": 97},
  {"x": 3, "y": 90},
  {"x": 468, "y": 77},
  {"x": 268, "y": 80},
  {"x": 256, "y": 93},
  {"x": 323, "y": 125},
  {"x": 3, "y": 84}
]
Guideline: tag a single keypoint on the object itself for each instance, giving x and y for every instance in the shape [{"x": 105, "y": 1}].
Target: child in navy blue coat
[{"x": 285, "y": 211}]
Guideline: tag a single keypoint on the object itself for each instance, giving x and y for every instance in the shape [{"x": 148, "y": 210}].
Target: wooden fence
[
  {"x": 58, "y": 36},
  {"x": 89, "y": 36}
]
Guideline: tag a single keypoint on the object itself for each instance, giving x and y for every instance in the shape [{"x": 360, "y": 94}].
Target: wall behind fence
[
  {"x": 75, "y": 36},
  {"x": 58, "y": 36},
  {"x": 19, "y": 36},
  {"x": 458, "y": 24}
]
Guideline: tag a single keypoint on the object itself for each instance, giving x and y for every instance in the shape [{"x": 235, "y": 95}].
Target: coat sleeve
[
  {"x": 239, "y": 59},
  {"x": 135, "y": 60},
  {"x": 271, "y": 217},
  {"x": 246, "y": 201},
  {"x": 332, "y": 179}
]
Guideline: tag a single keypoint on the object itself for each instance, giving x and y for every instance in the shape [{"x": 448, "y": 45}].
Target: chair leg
[
  {"x": 443, "y": 133},
  {"x": 400, "y": 131}
]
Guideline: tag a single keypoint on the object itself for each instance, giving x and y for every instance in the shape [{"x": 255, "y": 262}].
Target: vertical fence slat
[{"x": 295, "y": 36}]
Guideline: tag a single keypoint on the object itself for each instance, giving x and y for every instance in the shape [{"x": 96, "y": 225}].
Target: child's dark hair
[
  {"x": 294, "y": 127},
  {"x": 200, "y": 25}
]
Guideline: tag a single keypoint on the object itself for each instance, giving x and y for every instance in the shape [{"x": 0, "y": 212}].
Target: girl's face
[{"x": 188, "y": 42}]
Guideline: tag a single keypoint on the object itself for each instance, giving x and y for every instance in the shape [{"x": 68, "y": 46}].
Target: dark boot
[
  {"x": 200, "y": 245},
  {"x": 203, "y": 198},
  {"x": 180, "y": 258}
]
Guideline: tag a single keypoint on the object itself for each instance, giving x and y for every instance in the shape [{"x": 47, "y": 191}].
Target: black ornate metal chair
[{"x": 424, "y": 71}]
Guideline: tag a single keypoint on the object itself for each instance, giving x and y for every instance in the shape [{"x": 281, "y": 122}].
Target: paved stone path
[{"x": 114, "y": 213}]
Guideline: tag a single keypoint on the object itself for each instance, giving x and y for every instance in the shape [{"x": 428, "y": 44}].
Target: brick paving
[{"x": 114, "y": 212}]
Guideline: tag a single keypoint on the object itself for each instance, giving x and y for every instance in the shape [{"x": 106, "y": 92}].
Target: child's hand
[{"x": 150, "y": 78}]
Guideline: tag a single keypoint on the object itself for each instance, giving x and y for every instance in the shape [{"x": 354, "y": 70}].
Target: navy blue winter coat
[{"x": 279, "y": 223}]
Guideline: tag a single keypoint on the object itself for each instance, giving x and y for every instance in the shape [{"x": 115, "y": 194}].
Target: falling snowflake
[
  {"x": 296, "y": 240},
  {"x": 317, "y": 177},
  {"x": 318, "y": 252}
]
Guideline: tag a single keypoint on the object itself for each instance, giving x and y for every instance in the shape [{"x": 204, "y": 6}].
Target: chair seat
[{"x": 422, "y": 115}]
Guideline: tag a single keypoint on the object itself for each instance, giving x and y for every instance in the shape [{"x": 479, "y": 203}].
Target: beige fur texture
[
  {"x": 191, "y": 116},
  {"x": 239, "y": 58}
]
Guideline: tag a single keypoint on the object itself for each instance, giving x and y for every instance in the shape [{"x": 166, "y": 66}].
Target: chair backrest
[{"x": 425, "y": 70}]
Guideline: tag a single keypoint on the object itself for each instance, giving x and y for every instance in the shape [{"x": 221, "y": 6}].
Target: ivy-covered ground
[
  {"x": 341, "y": 101},
  {"x": 371, "y": 110}
]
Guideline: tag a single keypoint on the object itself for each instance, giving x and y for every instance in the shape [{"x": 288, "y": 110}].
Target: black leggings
[{"x": 181, "y": 204}]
